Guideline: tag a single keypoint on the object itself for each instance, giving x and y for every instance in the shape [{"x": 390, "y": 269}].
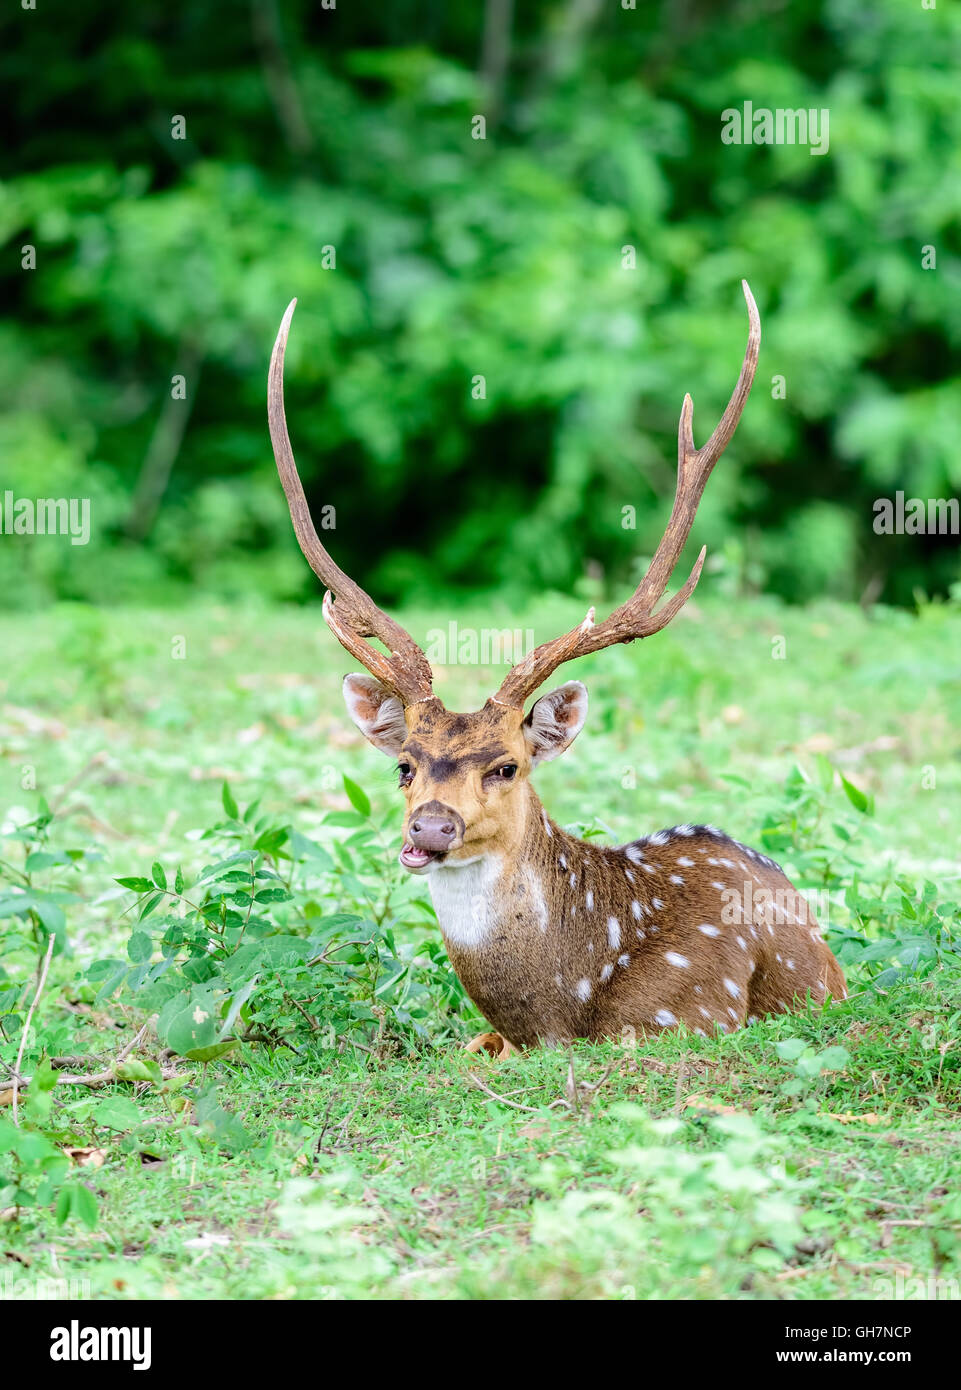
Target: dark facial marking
[{"x": 442, "y": 769}]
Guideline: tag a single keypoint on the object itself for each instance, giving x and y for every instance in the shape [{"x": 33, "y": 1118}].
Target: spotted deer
[{"x": 555, "y": 938}]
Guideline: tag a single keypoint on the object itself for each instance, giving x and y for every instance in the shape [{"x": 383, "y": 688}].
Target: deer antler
[
  {"x": 636, "y": 618},
  {"x": 352, "y": 615}
]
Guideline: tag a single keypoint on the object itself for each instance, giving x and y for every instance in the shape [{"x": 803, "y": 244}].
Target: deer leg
[{"x": 494, "y": 1044}]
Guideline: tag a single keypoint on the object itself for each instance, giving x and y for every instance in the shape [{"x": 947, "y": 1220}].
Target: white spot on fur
[
  {"x": 685, "y": 862},
  {"x": 538, "y": 902},
  {"x": 709, "y": 930},
  {"x": 705, "y": 1013},
  {"x": 741, "y": 942},
  {"x": 656, "y": 904},
  {"x": 624, "y": 959},
  {"x": 676, "y": 878},
  {"x": 613, "y": 933},
  {"x": 628, "y": 875},
  {"x": 636, "y": 910},
  {"x": 733, "y": 990},
  {"x": 665, "y": 1018},
  {"x": 562, "y": 861},
  {"x": 583, "y": 990},
  {"x": 675, "y": 958},
  {"x": 719, "y": 886},
  {"x": 606, "y": 973},
  {"x": 547, "y": 825},
  {"x": 589, "y": 901},
  {"x": 635, "y": 855}
]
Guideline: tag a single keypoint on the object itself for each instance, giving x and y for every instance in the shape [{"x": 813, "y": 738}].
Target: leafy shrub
[
  {"x": 283, "y": 940},
  {"x": 881, "y": 923}
]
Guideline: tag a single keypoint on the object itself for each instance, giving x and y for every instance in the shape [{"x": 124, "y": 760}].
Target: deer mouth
[{"x": 418, "y": 860}]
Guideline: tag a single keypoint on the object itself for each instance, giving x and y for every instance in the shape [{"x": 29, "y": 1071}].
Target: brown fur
[{"x": 590, "y": 942}]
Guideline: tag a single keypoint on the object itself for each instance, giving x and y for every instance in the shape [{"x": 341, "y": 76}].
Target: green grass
[{"x": 679, "y": 1168}]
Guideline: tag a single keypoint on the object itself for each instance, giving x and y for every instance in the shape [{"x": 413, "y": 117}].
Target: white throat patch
[{"x": 463, "y": 897}]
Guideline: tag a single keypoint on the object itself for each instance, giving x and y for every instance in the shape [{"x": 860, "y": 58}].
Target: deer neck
[{"x": 507, "y": 885}]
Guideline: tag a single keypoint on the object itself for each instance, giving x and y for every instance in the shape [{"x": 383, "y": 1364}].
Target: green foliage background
[{"x": 351, "y": 128}]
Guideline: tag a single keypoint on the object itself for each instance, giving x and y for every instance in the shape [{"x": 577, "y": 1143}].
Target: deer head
[{"x": 465, "y": 776}]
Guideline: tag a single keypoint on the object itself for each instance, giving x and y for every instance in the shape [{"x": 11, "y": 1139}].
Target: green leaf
[
  {"x": 150, "y": 905},
  {"x": 159, "y": 877},
  {"x": 138, "y": 1069},
  {"x": 345, "y": 819},
  {"x": 825, "y": 772},
  {"x": 83, "y": 1204},
  {"x": 194, "y": 1027},
  {"x": 116, "y": 1112},
  {"x": 303, "y": 848},
  {"x": 357, "y": 797},
  {"x": 833, "y": 1058},
  {"x": 208, "y": 1054},
  {"x": 136, "y": 885},
  {"x": 858, "y": 799},
  {"x": 44, "y": 1077},
  {"x": 62, "y": 1210},
  {"x": 139, "y": 947},
  {"x": 179, "y": 881},
  {"x": 42, "y": 859},
  {"x": 271, "y": 840},
  {"x": 230, "y": 805},
  {"x": 791, "y": 1048}
]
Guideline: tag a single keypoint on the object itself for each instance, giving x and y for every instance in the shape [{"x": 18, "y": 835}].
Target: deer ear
[
  {"x": 378, "y": 715},
  {"x": 555, "y": 720}
]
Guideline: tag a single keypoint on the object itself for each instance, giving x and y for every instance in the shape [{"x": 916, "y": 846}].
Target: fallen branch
[{"x": 107, "y": 1077}]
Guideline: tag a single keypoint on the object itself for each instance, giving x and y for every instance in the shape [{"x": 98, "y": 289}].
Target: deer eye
[
  {"x": 507, "y": 771},
  {"x": 406, "y": 774}
]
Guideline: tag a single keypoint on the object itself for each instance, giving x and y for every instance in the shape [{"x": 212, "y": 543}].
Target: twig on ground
[
  {"x": 26, "y": 1029},
  {"x": 530, "y": 1109}
]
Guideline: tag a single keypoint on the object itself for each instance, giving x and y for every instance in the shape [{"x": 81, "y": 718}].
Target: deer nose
[{"x": 433, "y": 832}]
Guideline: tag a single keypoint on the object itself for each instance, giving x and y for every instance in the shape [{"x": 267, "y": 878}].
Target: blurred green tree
[{"x": 494, "y": 334}]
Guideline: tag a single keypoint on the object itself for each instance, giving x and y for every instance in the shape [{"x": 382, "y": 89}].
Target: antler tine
[
  {"x": 636, "y": 618},
  {"x": 352, "y": 614}
]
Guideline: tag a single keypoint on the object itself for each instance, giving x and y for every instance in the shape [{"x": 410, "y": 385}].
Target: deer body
[
  {"x": 574, "y": 940},
  {"x": 555, "y": 938}
]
